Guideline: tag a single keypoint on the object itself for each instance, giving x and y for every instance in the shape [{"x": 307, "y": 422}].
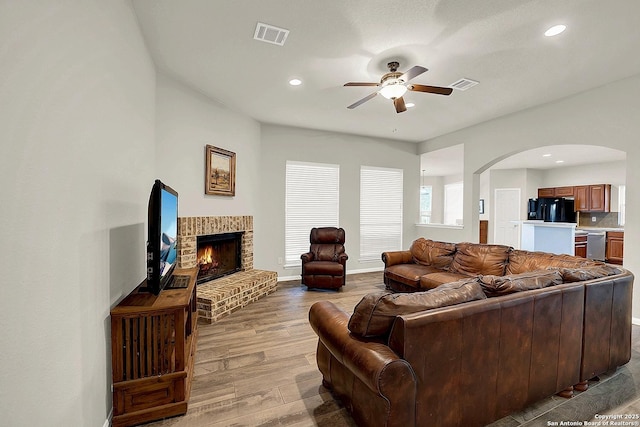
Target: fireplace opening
[{"x": 218, "y": 255}]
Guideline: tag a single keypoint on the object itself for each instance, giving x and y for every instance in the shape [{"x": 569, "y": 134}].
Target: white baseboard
[
  {"x": 635, "y": 321},
  {"x": 287, "y": 278},
  {"x": 361, "y": 270},
  {"x": 366, "y": 270},
  {"x": 107, "y": 423}
]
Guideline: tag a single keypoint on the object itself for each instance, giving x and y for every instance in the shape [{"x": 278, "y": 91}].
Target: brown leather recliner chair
[{"x": 325, "y": 265}]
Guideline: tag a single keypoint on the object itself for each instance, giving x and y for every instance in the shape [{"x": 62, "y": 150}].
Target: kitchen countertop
[
  {"x": 539, "y": 223},
  {"x": 598, "y": 229}
]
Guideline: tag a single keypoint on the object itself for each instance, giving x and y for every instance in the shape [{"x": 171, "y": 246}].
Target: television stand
[{"x": 153, "y": 346}]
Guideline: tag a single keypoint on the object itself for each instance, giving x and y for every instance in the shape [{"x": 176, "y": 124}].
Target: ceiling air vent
[
  {"x": 270, "y": 34},
  {"x": 463, "y": 84}
]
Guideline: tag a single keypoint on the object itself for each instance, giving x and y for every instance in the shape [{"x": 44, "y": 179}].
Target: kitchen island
[{"x": 554, "y": 237}]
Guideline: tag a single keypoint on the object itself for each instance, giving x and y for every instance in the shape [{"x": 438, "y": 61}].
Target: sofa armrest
[
  {"x": 396, "y": 257},
  {"x": 306, "y": 257},
  {"x": 342, "y": 258},
  {"x": 373, "y": 362}
]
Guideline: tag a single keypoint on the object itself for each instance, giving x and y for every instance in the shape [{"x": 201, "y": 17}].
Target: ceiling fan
[{"x": 394, "y": 84}]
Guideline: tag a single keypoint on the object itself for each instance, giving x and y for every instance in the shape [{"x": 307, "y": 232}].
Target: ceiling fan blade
[
  {"x": 431, "y": 89},
  {"x": 413, "y": 72},
  {"x": 399, "y": 104},
  {"x": 362, "y": 101},
  {"x": 361, "y": 84}
]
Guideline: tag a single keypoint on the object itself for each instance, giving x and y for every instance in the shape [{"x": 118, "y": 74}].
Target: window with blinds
[
  {"x": 380, "y": 211},
  {"x": 311, "y": 200},
  {"x": 453, "y": 197}
]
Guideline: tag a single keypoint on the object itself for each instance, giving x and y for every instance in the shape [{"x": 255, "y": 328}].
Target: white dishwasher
[{"x": 596, "y": 241}]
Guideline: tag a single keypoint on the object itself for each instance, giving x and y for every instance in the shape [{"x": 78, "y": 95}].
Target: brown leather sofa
[
  {"x": 325, "y": 265},
  {"x": 472, "y": 351},
  {"x": 428, "y": 264}
]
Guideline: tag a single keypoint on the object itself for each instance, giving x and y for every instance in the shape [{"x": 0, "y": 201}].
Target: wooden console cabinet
[{"x": 153, "y": 345}]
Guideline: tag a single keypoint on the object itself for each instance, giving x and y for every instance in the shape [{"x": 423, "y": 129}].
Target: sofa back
[
  {"x": 472, "y": 259},
  {"x": 521, "y": 261},
  {"x": 607, "y": 324},
  {"x": 433, "y": 253},
  {"x": 482, "y": 360}
]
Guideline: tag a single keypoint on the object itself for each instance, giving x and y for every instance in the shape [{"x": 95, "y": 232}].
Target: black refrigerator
[{"x": 552, "y": 209}]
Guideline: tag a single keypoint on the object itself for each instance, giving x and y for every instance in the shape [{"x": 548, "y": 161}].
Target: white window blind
[
  {"x": 380, "y": 211},
  {"x": 312, "y": 195}
]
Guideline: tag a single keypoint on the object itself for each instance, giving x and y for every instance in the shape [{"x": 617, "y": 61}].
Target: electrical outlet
[
  {"x": 280, "y": 261},
  {"x": 593, "y": 219}
]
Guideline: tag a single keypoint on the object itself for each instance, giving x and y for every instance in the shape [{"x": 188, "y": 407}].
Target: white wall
[
  {"x": 613, "y": 173},
  {"x": 77, "y": 135},
  {"x": 280, "y": 144},
  {"x": 606, "y": 116},
  {"x": 188, "y": 121},
  {"x": 598, "y": 173}
]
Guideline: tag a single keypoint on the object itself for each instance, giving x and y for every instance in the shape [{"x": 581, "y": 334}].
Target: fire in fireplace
[{"x": 218, "y": 255}]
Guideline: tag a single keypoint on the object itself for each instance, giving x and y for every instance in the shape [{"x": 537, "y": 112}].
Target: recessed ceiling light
[
  {"x": 555, "y": 30},
  {"x": 546, "y": 155},
  {"x": 559, "y": 161},
  {"x": 295, "y": 82},
  {"x": 410, "y": 104}
]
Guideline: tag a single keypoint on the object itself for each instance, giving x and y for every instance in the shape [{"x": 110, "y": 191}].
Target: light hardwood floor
[{"x": 257, "y": 367}]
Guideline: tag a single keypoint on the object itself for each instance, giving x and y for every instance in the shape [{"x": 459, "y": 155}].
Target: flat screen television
[{"x": 162, "y": 236}]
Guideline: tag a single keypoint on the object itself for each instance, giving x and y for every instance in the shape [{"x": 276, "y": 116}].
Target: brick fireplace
[
  {"x": 219, "y": 297},
  {"x": 189, "y": 228}
]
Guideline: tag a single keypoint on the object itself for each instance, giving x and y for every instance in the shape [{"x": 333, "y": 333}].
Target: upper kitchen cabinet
[
  {"x": 564, "y": 192},
  {"x": 546, "y": 192},
  {"x": 593, "y": 198},
  {"x": 556, "y": 192}
]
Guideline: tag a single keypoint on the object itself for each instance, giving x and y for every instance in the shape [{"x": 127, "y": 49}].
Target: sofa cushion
[
  {"x": 408, "y": 274},
  {"x": 433, "y": 280},
  {"x": 570, "y": 275},
  {"x": 375, "y": 313},
  {"x": 501, "y": 285},
  {"x": 472, "y": 259},
  {"x": 429, "y": 252},
  {"x": 521, "y": 261}
]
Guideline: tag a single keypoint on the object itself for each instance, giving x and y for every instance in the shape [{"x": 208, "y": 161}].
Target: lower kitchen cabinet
[
  {"x": 581, "y": 245},
  {"x": 615, "y": 247}
]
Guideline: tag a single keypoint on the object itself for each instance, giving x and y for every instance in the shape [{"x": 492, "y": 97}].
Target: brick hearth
[{"x": 221, "y": 296}]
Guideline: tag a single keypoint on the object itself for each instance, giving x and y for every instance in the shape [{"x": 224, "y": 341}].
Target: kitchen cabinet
[
  {"x": 581, "y": 201},
  {"x": 581, "y": 245},
  {"x": 563, "y": 192},
  {"x": 555, "y": 192},
  {"x": 546, "y": 192},
  {"x": 593, "y": 198},
  {"x": 615, "y": 247}
]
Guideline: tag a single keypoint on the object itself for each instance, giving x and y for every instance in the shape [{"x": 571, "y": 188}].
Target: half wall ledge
[{"x": 220, "y": 297}]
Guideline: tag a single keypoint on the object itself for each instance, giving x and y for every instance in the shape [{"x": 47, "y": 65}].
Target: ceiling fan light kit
[
  {"x": 393, "y": 89},
  {"x": 393, "y": 85}
]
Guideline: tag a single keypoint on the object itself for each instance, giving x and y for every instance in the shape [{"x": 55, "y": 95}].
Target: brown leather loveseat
[{"x": 479, "y": 347}]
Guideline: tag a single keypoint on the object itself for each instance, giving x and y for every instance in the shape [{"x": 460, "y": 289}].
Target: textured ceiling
[{"x": 209, "y": 45}]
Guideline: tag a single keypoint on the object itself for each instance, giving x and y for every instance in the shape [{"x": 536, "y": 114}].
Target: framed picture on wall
[{"x": 220, "y": 171}]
